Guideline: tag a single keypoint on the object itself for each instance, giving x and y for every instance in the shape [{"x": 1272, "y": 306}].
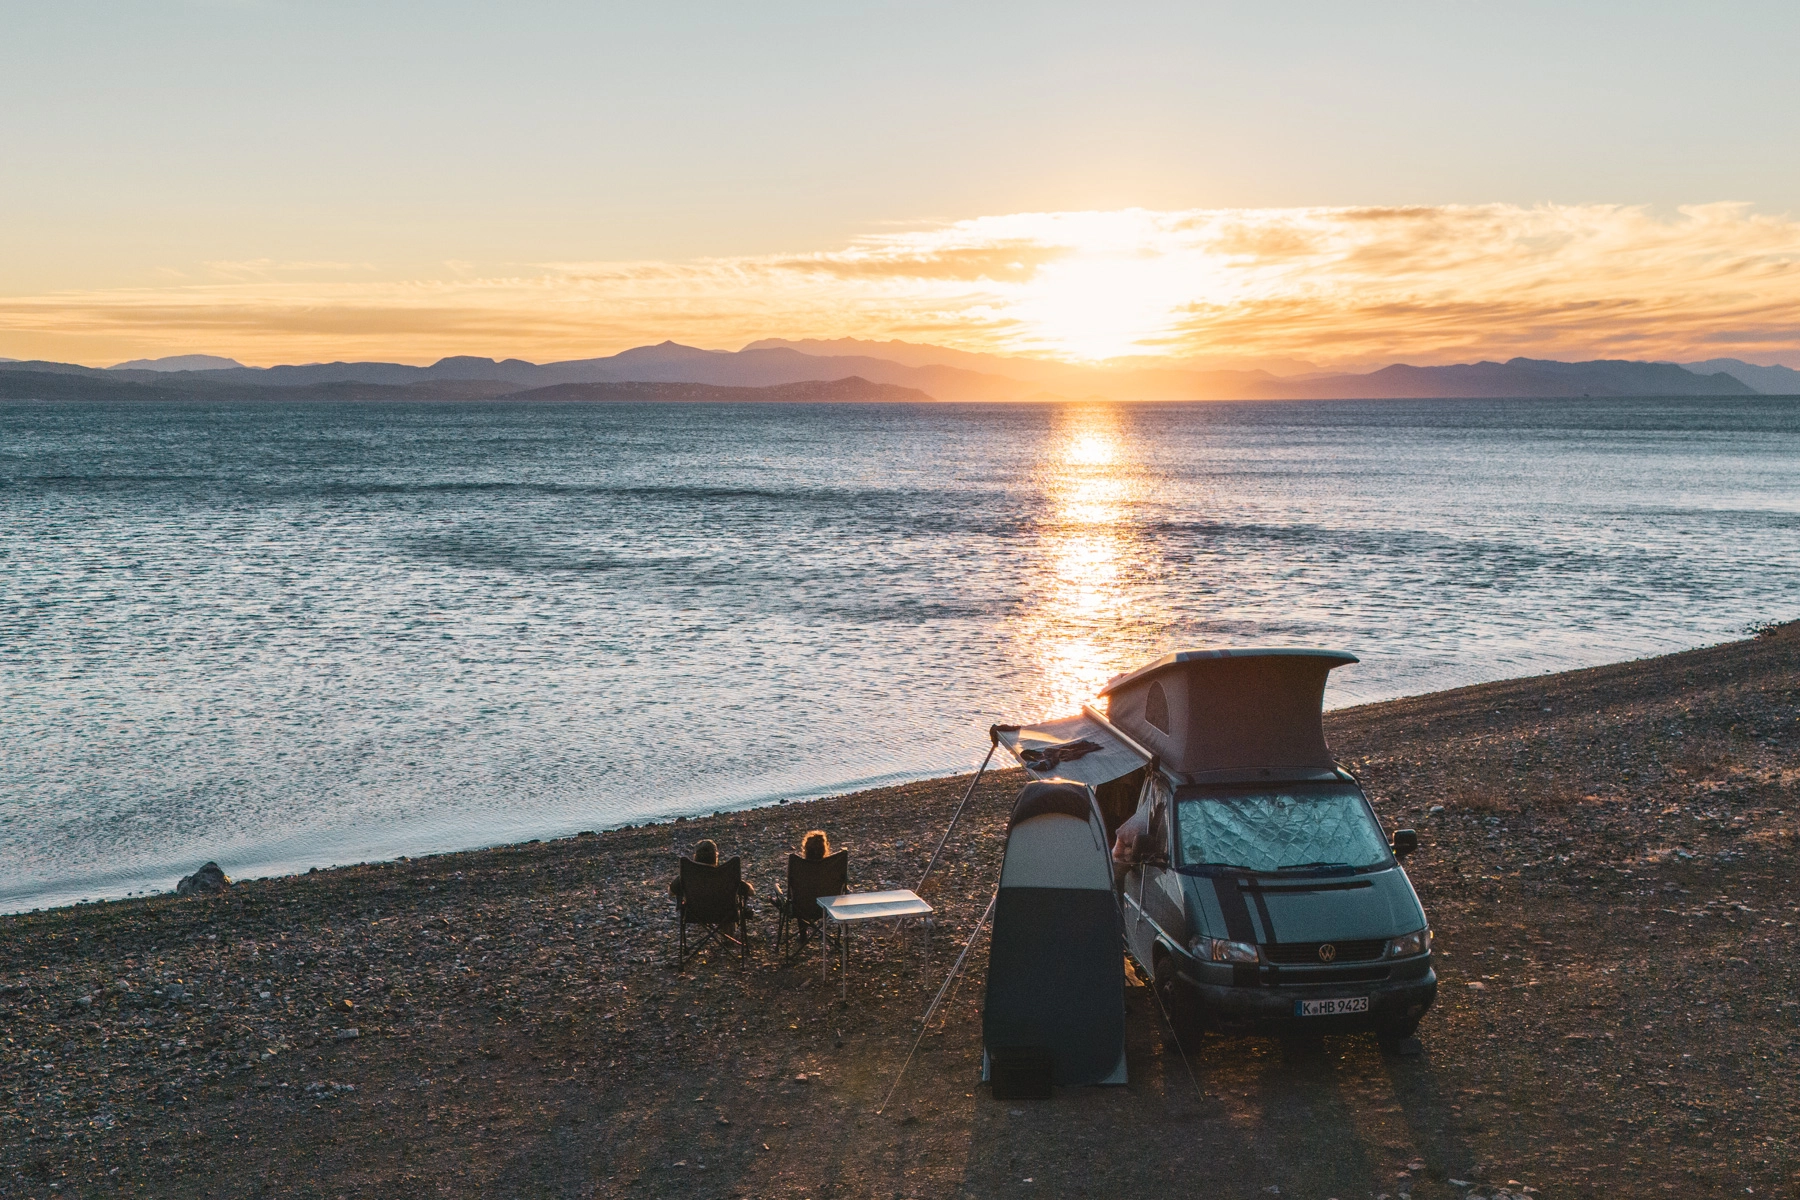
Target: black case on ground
[{"x": 1021, "y": 1072}]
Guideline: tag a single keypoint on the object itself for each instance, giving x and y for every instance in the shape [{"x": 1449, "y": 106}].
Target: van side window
[
  {"x": 1145, "y": 834},
  {"x": 1156, "y": 836},
  {"x": 1156, "y": 706}
]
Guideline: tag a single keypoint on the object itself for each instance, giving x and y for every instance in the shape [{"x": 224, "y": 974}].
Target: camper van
[{"x": 1257, "y": 888}]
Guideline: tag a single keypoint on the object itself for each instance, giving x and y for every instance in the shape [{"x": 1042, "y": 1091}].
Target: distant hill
[
  {"x": 1771, "y": 381},
  {"x": 1516, "y": 378},
  {"x": 86, "y": 384},
  {"x": 850, "y": 390},
  {"x": 947, "y": 375},
  {"x": 180, "y": 362}
]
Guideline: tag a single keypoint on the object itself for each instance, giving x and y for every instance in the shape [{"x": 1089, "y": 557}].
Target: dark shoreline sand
[{"x": 1611, "y": 882}]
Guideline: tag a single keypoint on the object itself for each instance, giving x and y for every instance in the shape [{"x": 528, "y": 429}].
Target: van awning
[{"x": 1084, "y": 747}]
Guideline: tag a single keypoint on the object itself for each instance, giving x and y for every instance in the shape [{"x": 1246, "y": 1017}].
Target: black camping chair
[
  {"x": 713, "y": 898},
  {"x": 807, "y": 880}
]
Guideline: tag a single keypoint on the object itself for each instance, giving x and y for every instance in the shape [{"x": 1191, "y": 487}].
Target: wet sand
[{"x": 1610, "y": 879}]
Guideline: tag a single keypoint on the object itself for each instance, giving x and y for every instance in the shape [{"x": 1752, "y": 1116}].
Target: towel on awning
[{"x": 1045, "y": 758}]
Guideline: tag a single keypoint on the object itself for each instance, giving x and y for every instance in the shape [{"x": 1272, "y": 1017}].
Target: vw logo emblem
[{"x": 1327, "y": 952}]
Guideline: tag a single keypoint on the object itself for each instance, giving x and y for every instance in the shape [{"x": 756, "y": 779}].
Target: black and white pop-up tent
[{"x": 1056, "y": 966}]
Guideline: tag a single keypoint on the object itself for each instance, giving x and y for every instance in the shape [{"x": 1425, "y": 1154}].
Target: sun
[{"x": 1098, "y": 304}]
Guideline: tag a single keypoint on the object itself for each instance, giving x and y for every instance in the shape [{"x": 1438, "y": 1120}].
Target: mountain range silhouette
[{"x": 853, "y": 370}]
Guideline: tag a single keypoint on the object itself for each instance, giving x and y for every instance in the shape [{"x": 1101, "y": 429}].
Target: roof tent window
[{"x": 1156, "y": 706}]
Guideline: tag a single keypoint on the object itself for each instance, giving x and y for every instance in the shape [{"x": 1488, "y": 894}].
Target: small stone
[
  {"x": 85, "y": 1001},
  {"x": 349, "y": 1034},
  {"x": 801, "y": 1078},
  {"x": 174, "y": 991}
]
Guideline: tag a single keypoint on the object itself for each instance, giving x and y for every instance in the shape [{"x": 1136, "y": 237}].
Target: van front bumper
[{"x": 1259, "y": 997}]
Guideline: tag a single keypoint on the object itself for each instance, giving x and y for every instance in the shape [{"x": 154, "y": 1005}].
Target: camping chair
[
  {"x": 711, "y": 897},
  {"x": 807, "y": 880}
]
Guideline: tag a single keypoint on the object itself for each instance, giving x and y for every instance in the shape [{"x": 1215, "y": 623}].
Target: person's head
[
  {"x": 815, "y": 845},
  {"x": 706, "y": 852}
]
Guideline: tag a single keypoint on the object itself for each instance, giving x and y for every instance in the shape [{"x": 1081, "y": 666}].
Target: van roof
[{"x": 1337, "y": 658}]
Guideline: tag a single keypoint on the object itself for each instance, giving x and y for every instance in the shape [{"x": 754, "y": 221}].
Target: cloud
[
  {"x": 1339, "y": 286},
  {"x": 268, "y": 268}
]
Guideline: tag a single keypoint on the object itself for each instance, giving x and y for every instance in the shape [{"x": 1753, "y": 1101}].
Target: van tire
[
  {"x": 1177, "y": 1001},
  {"x": 1392, "y": 1034}
]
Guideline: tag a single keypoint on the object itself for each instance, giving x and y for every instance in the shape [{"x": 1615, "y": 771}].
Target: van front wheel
[
  {"x": 1177, "y": 1001},
  {"x": 1392, "y": 1034}
]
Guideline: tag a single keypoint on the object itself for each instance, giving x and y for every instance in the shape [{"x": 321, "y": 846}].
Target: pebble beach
[{"x": 1606, "y": 858}]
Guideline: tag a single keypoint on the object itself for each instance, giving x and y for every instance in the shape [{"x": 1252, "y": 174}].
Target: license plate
[{"x": 1331, "y": 1008}]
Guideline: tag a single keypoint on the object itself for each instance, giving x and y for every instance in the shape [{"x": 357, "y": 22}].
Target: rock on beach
[{"x": 207, "y": 879}]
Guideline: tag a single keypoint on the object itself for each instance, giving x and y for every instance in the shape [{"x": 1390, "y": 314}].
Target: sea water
[{"x": 285, "y": 635}]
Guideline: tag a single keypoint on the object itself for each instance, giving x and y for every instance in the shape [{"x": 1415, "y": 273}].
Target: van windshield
[{"x": 1294, "y": 828}]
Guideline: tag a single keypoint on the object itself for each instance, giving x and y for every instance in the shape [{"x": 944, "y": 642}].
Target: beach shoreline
[
  {"x": 1606, "y": 861},
  {"x": 404, "y": 844}
]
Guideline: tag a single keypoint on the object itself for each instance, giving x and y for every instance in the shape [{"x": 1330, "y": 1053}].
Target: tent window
[{"x": 1156, "y": 706}]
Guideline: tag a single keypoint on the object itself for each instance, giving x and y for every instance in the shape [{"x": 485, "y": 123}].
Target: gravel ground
[{"x": 1607, "y": 861}]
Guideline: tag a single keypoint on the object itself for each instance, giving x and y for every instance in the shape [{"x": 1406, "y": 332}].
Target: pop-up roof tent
[
  {"x": 1056, "y": 970},
  {"x": 1200, "y": 715},
  {"x": 1221, "y": 716}
]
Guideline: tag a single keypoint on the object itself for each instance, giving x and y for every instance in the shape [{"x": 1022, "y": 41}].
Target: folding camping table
[{"x": 856, "y": 908}]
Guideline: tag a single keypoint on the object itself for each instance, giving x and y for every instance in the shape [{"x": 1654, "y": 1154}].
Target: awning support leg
[{"x": 993, "y": 744}]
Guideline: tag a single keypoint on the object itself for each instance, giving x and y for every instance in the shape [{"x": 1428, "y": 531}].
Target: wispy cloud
[
  {"x": 268, "y": 268},
  {"x": 1347, "y": 286}
]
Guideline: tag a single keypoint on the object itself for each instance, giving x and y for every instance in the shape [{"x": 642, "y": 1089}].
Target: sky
[{"x": 1344, "y": 185}]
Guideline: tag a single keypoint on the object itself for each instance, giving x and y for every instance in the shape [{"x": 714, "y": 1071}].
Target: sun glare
[
  {"x": 1095, "y": 448},
  {"x": 1095, "y": 306},
  {"x": 1090, "y": 550}
]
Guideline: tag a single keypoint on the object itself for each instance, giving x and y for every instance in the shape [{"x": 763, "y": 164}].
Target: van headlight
[
  {"x": 1410, "y": 944},
  {"x": 1219, "y": 950}
]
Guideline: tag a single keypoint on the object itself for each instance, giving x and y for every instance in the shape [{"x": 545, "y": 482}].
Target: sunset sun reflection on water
[{"x": 1093, "y": 487}]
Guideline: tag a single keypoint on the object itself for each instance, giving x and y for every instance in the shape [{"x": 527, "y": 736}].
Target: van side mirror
[{"x": 1405, "y": 842}]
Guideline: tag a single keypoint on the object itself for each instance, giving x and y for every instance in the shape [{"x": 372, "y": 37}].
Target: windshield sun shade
[{"x": 1280, "y": 829}]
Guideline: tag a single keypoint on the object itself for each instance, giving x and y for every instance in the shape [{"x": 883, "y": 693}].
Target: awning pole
[
  {"x": 925, "y": 1025},
  {"x": 993, "y": 744}
]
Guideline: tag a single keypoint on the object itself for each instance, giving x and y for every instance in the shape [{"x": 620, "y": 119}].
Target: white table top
[{"x": 873, "y": 906}]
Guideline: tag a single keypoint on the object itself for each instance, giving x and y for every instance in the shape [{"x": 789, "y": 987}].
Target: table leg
[
  {"x": 824, "y": 950},
  {"x": 844, "y": 963}
]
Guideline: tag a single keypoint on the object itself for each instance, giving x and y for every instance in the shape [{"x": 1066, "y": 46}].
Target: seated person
[
  {"x": 814, "y": 847},
  {"x": 706, "y": 853}
]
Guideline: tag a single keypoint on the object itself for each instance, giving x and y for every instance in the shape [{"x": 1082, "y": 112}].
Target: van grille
[
  {"x": 1307, "y": 953},
  {"x": 1301, "y": 977}
]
